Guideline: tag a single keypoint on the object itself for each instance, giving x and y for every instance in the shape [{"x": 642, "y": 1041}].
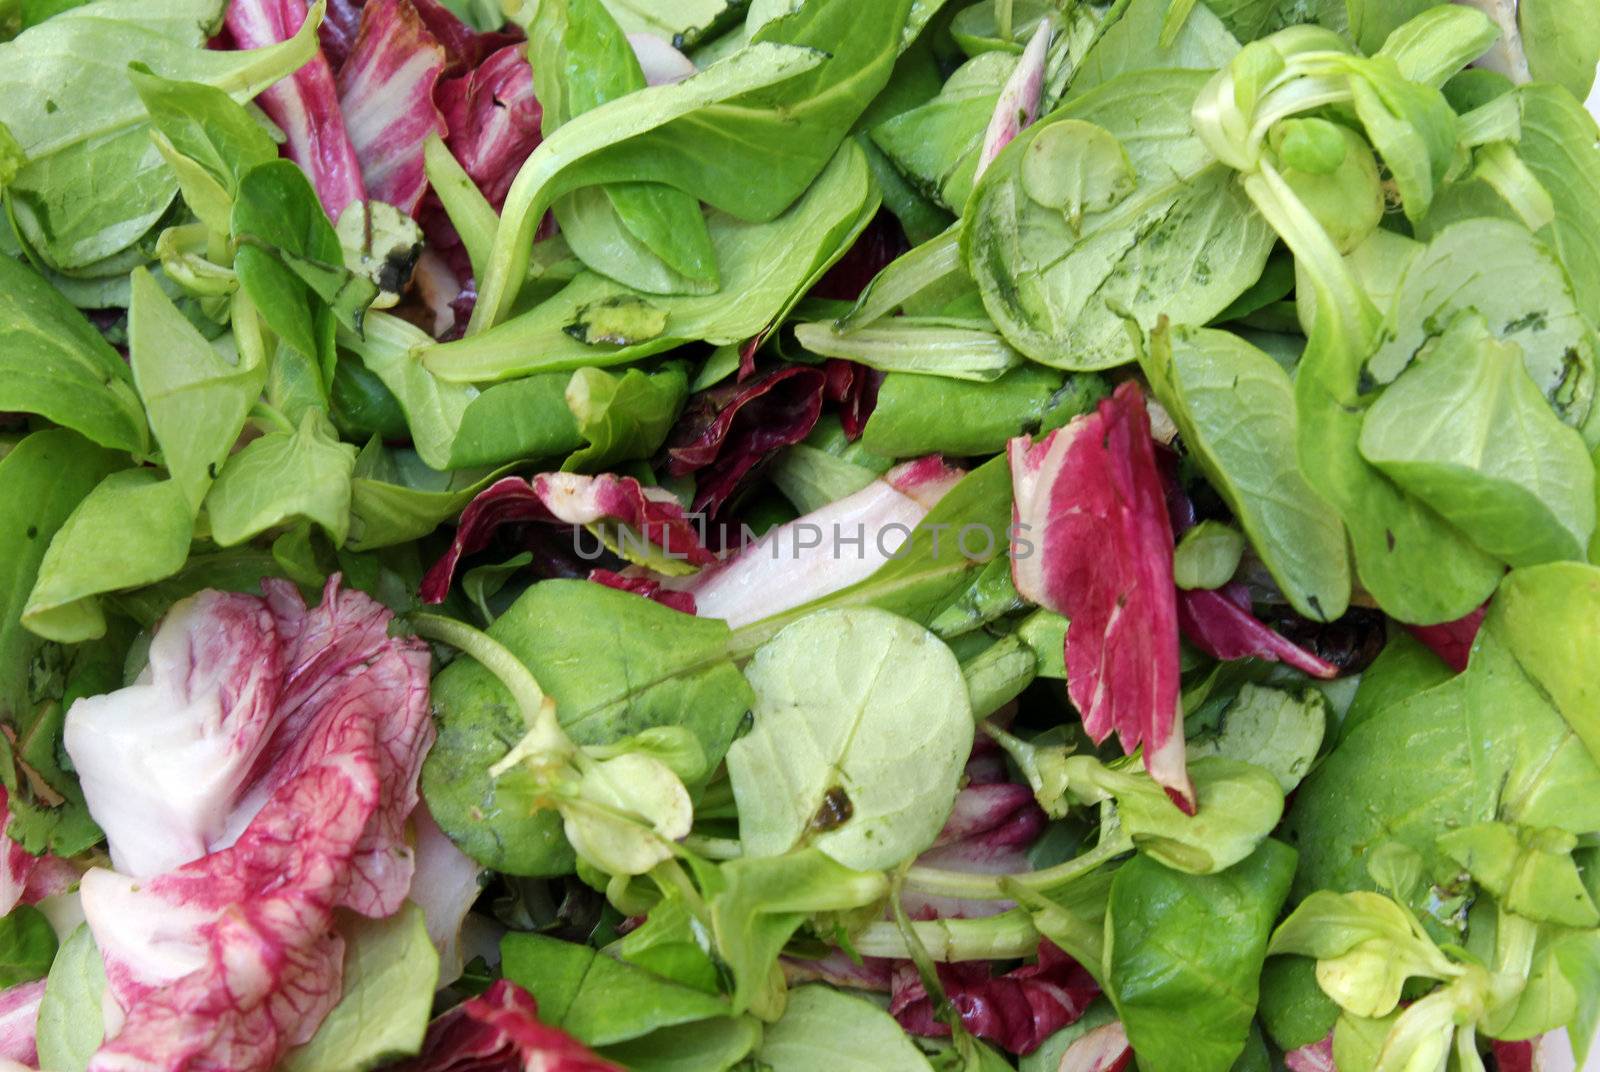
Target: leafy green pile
[{"x": 1350, "y": 251}]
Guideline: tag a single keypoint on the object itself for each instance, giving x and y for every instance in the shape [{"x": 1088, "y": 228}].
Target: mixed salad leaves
[{"x": 799, "y": 535}]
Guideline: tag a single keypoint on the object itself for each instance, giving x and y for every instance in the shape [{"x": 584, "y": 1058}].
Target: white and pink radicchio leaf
[
  {"x": 256, "y": 778},
  {"x": 1095, "y": 544}
]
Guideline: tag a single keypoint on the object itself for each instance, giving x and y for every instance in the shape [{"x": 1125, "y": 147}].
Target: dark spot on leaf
[
  {"x": 50, "y": 107},
  {"x": 1350, "y": 642},
  {"x": 211, "y": 470},
  {"x": 835, "y": 811},
  {"x": 1388, "y": 535},
  {"x": 397, "y": 268},
  {"x": 33, "y": 532}
]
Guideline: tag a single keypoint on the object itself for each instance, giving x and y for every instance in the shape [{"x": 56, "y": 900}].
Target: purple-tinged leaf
[
  {"x": 568, "y": 499},
  {"x": 1452, "y": 641},
  {"x": 19, "y": 1022},
  {"x": 649, "y": 588},
  {"x": 386, "y": 91},
  {"x": 1092, "y": 507},
  {"x": 725, "y": 433},
  {"x": 1219, "y": 623},
  {"x": 305, "y": 105},
  {"x": 1018, "y": 105},
  {"x": 1312, "y": 1057},
  {"x": 493, "y": 119},
  {"x": 229, "y": 958},
  {"x": 500, "y": 1031},
  {"x": 1016, "y": 1011}
]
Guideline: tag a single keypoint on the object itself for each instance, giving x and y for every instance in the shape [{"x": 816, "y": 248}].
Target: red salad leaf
[
  {"x": 1512, "y": 1056},
  {"x": 1096, "y": 546},
  {"x": 19, "y": 1020},
  {"x": 231, "y": 957},
  {"x": 1219, "y": 623},
  {"x": 1019, "y": 101},
  {"x": 990, "y": 829},
  {"x": 1312, "y": 1057},
  {"x": 879, "y": 243},
  {"x": 725, "y": 433},
  {"x": 1105, "y": 1049},
  {"x": 1016, "y": 1011},
  {"x": 823, "y": 552},
  {"x": 338, "y": 31},
  {"x": 855, "y": 388},
  {"x": 24, "y": 877},
  {"x": 567, "y": 499},
  {"x": 500, "y": 1031},
  {"x": 305, "y": 105},
  {"x": 493, "y": 119},
  {"x": 682, "y": 602},
  {"x": 1452, "y": 641},
  {"x": 386, "y": 90}
]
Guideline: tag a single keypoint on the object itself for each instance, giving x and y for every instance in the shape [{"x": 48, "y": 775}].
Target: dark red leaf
[
  {"x": 500, "y": 1031},
  {"x": 1096, "y": 546},
  {"x": 725, "y": 433},
  {"x": 1016, "y": 1011},
  {"x": 1514, "y": 1056},
  {"x": 493, "y": 118},
  {"x": 567, "y": 499},
  {"x": 682, "y": 602},
  {"x": 1452, "y": 641},
  {"x": 1219, "y": 623},
  {"x": 880, "y": 243}
]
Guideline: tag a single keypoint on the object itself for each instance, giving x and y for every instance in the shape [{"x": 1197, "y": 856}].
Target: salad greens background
[{"x": 1351, "y": 249}]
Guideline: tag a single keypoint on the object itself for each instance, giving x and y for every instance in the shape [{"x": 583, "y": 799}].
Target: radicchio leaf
[
  {"x": 1105, "y": 1049},
  {"x": 305, "y": 105},
  {"x": 1512, "y": 1056},
  {"x": 1452, "y": 641},
  {"x": 727, "y": 431},
  {"x": 340, "y": 25},
  {"x": 1018, "y": 105},
  {"x": 24, "y": 877},
  {"x": 1016, "y": 1011},
  {"x": 386, "y": 90},
  {"x": 1219, "y": 623},
  {"x": 231, "y": 958},
  {"x": 1090, "y": 504},
  {"x": 446, "y": 883},
  {"x": 493, "y": 119},
  {"x": 991, "y": 827},
  {"x": 500, "y": 1031},
  {"x": 1312, "y": 1057},
  {"x": 568, "y": 499},
  {"x": 855, "y": 388},
  {"x": 823, "y": 552},
  {"x": 648, "y": 587},
  {"x": 19, "y": 1022},
  {"x": 877, "y": 246}
]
